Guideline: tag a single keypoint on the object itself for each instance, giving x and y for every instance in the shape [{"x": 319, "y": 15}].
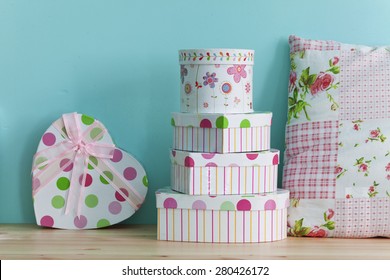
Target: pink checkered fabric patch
[
  {"x": 311, "y": 159},
  {"x": 364, "y": 85},
  {"x": 298, "y": 44},
  {"x": 362, "y": 218}
]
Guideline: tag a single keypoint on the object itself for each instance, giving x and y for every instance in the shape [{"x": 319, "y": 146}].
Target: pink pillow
[{"x": 337, "y": 157}]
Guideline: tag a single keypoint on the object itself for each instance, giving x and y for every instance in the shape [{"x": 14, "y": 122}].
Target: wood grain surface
[{"x": 139, "y": 242}]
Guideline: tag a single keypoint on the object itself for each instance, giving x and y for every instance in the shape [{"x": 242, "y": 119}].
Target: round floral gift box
[{"x": 216, "y": 80}]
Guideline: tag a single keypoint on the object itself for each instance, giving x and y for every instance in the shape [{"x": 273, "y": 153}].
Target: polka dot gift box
[
  {"x": 222, "y": 219},
  {"x": 216, "y": 80},
  {"x": 81, "y": 180},
  {"x": 221, "y": 133},
  {"x": 233, "y": 173}
]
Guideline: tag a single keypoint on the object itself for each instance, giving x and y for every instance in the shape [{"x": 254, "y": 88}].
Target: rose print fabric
[{"x": 337, "y": 158}]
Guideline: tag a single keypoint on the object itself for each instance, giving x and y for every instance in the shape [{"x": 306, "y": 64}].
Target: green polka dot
[
  {"x": 87, "y": 120},
  {"x": 63, "y": 183},
  {"x": 94, "y": 161},
  {"x": 39, "y": 161},
  {"x": 58, "y": 202},
  {"x": 172, "y": 121},
  {"x": 65, "y": 132},
  {"x": 91, "y": 201},
  {"x": 96, "y": 134},
  {"x": 227, "y": 206},
  {"x": 108, "y": 175},
  {"x": 245, "y": 123},
  {"x": 145, "y": 181},
  {"x": 103, "y": 223},
  {"x": 222, "y": 122}
]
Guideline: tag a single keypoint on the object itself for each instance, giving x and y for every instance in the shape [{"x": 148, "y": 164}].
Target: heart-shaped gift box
[{"x": 81, "y": 180}]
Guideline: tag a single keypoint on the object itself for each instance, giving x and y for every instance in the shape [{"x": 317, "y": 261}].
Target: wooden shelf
[{"x": 139, "y": 242}]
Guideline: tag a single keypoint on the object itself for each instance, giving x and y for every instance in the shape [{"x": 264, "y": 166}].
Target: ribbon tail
[
  {"x": 84, "y": 178},
  {"x": 75, "y": 185},
  {"x": 119, "y": 184}
]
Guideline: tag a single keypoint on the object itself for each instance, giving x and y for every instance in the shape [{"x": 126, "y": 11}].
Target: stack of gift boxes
[{"x": 223, "y": 172}]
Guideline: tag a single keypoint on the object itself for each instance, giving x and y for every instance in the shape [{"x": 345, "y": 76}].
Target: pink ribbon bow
[{"x": 80, "y": 146}]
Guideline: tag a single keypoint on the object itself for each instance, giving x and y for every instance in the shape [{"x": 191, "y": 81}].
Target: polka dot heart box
[
  {"x": 221, "y": 133},
  {"x": 81, "y": 180},
  {"x": 232, "y": 173},
  {"x": 222, "y": 219},
  {"x": 216, "y": 80}
]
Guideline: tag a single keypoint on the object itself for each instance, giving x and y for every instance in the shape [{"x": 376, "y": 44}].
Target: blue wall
[{"x": 117, "y": 61}]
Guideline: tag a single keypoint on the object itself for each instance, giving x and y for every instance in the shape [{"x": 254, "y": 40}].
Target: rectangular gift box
[
  {"x": 233, "y": 173},
  {"x": 222, "y": 219},
  {"x": 216, "y": 80},
  {"x": 222, "y": 133}
]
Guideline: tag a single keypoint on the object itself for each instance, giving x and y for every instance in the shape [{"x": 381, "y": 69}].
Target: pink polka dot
[
  {"x": 205, "y": 123},
  {"x": 199, "y": 204},
  {"x": 270, "y": 205},
  {"x": 130, "y": 173},
  {"x": 80, "y": 222},
  {"x": 189, "y": 162},
  {"x": 48, "y": 139},
  {"x": 208, "y": 156},
  {"x": 115, "y": 207},
  {"x": 244, "y": 205},
  {"x": 275, "y": 160},
  {"x": 170, "y": 203},
  {"x": 252, "y": 156},
  {"x": 36, "y": 183},
  {"x": 117, "y": 156},
  {"x": 173, "y": 153},
  {"x": 234, "y": 165},
  {"x": 65, "y": 162},
  {"x": 88, "y": 180},
  {"x": 47, "y": 221},
  {"x": 211, "y": 164},
  {"x": 119, "y": 197}
]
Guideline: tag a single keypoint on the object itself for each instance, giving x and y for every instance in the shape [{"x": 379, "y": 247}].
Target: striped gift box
[
  {"x": 221, "y": 133},
  {"x": 222, "y": 219},
  {"x": 232, "y": 173}
]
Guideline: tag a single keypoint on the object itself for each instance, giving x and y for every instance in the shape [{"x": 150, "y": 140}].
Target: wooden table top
[{"x": 139, "y": 242}]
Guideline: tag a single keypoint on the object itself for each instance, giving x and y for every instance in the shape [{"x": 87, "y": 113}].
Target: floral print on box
[
  {"x": 306, "y": 85},
  {"x": 216, "y": 88},
  {"x": 210, "y": 79},
  {"x": 238, "y": 72}
]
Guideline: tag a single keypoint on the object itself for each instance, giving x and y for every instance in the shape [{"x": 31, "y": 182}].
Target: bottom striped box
[{"x": 222, "y": 219}]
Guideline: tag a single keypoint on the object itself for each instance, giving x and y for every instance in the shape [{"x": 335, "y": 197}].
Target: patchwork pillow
[{"x": 337, "y": 157}]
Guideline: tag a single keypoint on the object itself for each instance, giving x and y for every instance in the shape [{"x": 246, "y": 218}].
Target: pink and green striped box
[
  {"x": 232, "y": 173},
  {"x": 222, "y": 219},
  {"x": 222, "y": 133}
]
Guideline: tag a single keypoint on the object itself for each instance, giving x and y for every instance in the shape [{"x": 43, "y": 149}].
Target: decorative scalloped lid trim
[{"x": 216, "y": 56}]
